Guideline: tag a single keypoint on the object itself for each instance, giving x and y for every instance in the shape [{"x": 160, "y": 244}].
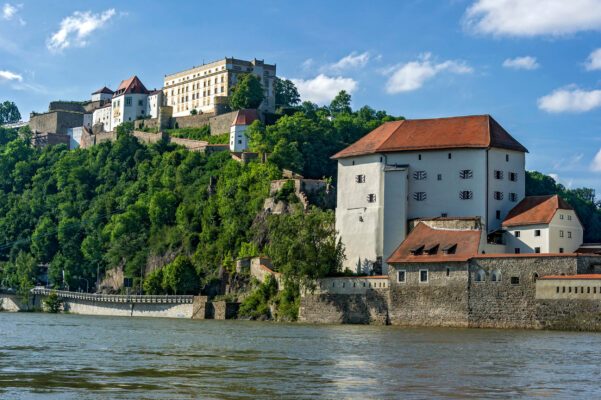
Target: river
[{"x": 50, "y": 356}]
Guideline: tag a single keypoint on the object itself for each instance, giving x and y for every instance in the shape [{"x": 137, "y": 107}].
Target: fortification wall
[
  {"x": 221, "y": 124},
  {"x": 189, "y": 143},
  {"x": 335, "y": 308},
  {"x": 225, "y": 310},
  {"x": 583, "y": 314},
  {"x": 149, "y": 137},
  {"x": 192, "y": 121},
  {"x": 55, "y": 122},
  {"x": 66, "y": 106}
]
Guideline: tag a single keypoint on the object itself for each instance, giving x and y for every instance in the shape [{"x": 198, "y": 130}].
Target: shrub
[
  {"x": 193, "y": 112},
  {"x": 53, "y": 303}
]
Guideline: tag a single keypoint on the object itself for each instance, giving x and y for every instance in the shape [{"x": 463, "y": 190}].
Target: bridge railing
[{"x": 116, "y": 298}]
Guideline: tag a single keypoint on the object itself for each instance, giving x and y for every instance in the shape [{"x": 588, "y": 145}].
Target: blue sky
[{"x": 534, "y": 66}]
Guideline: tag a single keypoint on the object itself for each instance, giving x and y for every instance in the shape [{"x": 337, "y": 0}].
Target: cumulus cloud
[
  {"x": 596, "y": 163},
  {"x": 570, "y": 99},
  {"x": 526, "y": 62},
  {"x": 353, "y": 60},
  {"x": 533, "y": 17},
  {"x": 413, "y": 75},
  {"x": 10, "y": 76},
  {"x": 9, "y": 11},
  {"x": 75, "y": 28},
  {"x": 322, "y": 89},
  {"x": 594, "y": 60}
]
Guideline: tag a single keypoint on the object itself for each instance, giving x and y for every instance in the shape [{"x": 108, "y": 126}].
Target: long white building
[{"x": 411, "y": 169}]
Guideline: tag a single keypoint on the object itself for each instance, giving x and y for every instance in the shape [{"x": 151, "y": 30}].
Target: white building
[
  {"x": 446, "y": 167},
  {"x": 102, "y": 116},
  {"x": 543, "y": 224},
  {"x": 155, "y": 100},
  {"x": 129, "y": 101},
  {"x": 201, "y": 88},
  {"x": 242, "y": 120},
  {"x": 104, "y": 94}
]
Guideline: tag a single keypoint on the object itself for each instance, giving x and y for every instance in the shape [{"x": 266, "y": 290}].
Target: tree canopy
[
  {"x": 9, "y": 113},
  {"x": 247, "y": 92},
  {"x": 286, "y": 93}
]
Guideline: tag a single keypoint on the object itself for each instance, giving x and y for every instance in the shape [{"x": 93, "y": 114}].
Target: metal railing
[{"x": 115, "y": 298}]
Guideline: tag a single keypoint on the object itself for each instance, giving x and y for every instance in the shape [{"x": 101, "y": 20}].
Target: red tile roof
[
  {"x": 131, "y": 86},
  {"x": 104, "y": 90},
  {"x": 463, "y": 244},
  {"x": 245, "y": 117},
  {"x": 525, "y": 255},
  {"x": 475, "y": 131},
  {"x": 535, "y": 210},
  {"x": 584, "y": 249},
  {"x": 583, "y": 276}
]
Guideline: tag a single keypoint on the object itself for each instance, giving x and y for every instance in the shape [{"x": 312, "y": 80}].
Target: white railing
[{"x": 115, "y": 298}]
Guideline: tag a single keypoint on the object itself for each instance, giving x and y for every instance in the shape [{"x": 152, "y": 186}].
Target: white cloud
[
  {"x": 353, "y": 60},
  {"x": 596, "y": 164},
  {"x": 526, "y": 62},
  {"x": 322, "y": 89},
  {"x": 570, "y": 99},
  {"x": 555, "y": 177},
  {"x": 10, "y": 76},
  {"x": 412, "y": 76},
  {"x": 594, "y": 60},
  {"x": 9, "y": 11},
  {"x": 308, "y": 63},
  {"x": 75, "y": 28},
  {"x": 533, "y": 17}
]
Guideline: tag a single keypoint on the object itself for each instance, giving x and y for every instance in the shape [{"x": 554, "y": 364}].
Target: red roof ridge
[{"x": 535, "y": 210}]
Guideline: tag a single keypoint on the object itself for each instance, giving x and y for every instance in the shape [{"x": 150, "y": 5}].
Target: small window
[
  {"x": 419, "y": 156},
  {"x": 419, "y": 196},
  {"x": 465, "y": 194},
  {"x": 537, "y": 249},
  {"x": 448, "y": 271},
  {"x": 560, "y": 234},
  {"x": 517, "y": 250},
  {"x": 353, "y": 162},
  {"x": 498, "y": 195},
  {"x": 507, "y": 157},
  {"x": 557, "y": 289},
  {"x": 495, "y": 276},
  {"x": 569, "y": 217},
  {"x": 560, "y": 216},
  {"x": 569, "y": 235},
  {"x": 371, "y": 198},
  {"x": 513, "y": 197},
  {"x": 360, "y": 178},
  {"x": 420, "y": 175},
  {"x": 561, "y": 249},
  {"x": 513, "y": 176},
  {"x": 480, "y": 276},
  {"x": 423, "y": 275},
  {"x": 439, "y": 177},
  {"x": 537, "y": 232},
  {"x": 498, "y": 174},
  {"x": 450, "y": 156},
  {"x": 517, "y": 234},
  {"x": 498, "y": 214},
  {"x": 400, "y": 277},
  {"x": 443, "y": 215},
  {"x": 515, "y": 280},
  {"x": 466, "y": 174}
]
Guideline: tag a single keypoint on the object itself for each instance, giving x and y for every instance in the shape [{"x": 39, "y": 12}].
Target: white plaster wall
[
  {"x": 103, "y": 115},
  {"x": 87, "y": 119},
  {"x": 101, "y": 96},
  {"x": 566, "y": 225},
  {"x": 153, "y": 104},
  {"x": 238, "y": 139},
  {"x": 394, "y": 218},
  {"x": 527, "y": 241},
  {"x": 517, "y": 164},
  {"x": 74, "y": 137}
]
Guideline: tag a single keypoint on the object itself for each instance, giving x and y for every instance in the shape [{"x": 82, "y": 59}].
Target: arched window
[
  {"x": 480, "y": 275},
  {"x": 495, "y": 276},
  {"x": 534, "y": 277}
]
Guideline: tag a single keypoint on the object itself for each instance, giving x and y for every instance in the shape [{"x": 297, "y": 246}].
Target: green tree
[
  {"x": 286, "y": 93},
  {"x": 247, "y": 93},
  {"x": 53, "y": 302},
  {"x": 26, "y": 271},
  {"x": 45, "y": 243},
  {"x": 180, "y": 277},
  {"x": 26, "y": 134},
  {"x": 162, "y": 208},
  {"x": 7, "y": 135},
  {"x": 153, "y": 283},
  {"x": 341, "y": 103},
  {"x": 9, "y": 113}
]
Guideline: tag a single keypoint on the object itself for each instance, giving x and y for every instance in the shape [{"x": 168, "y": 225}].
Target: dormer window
[
  {"x": 431, "y": 250},
  {"x": 449, "y": 249},
  {"x": 416, "y": 251}
]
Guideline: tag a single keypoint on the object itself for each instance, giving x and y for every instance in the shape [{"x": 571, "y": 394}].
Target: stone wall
[
  {"x": 507, "y": 304},
  {"x": 329, "y": 308},
  {"x": 569, "y": 314},
  {"x": 66, "y": 106},
  {"x": 146, "y": 123},
  {"x": 149, "y": 137},
  {"x": 86, "y": 307},
  {"x": 221, "y": 124},
  {"x": 192, "y": 121},
  {"x": 448, "y": 223},
  {"x": 225, "y": 310},
  {"x": 199, "y": 307},
  {"x": 13, "y": 303},
  {"x": 41, "y": 140},
  {"x": 55, "y": 122},
  {"x": 442, "y": 301},
  {"x": 260, "y": 267}
]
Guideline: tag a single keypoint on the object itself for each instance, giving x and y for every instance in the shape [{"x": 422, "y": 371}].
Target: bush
[
  {"x": 287, "y": 192},
  {"x": 256, "y": 305},
  {"x": 193, "y": 112},
  {"x": 53, "y": 303}
]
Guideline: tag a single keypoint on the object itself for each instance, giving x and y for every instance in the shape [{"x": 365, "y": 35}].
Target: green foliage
[
  {"x": 9, "y": 113},
  {"x": 26, "y": 133},
  {"x": 180, "y": 277},
  {"x": 581, "y": 199},
  {"x": 341, "y": 103},
  {"x": 7, "y": 135},
  {"x": 247, "y": 93},
  {"x": 287, "y": 192},
  {"x": 53, "y": 303},
  {"x": 200, "y": 133},
  {"x": 303, "y": 246},
  {"x": 256, "y": 305},
  {"x": 193, "y": 112},
  {"x": 162, "y": 208},
  {"x": 248, "y": 250},
  {"x": 153, "y": 283},
  {"x": 124, "y": 129},
  {"x": 288, "y": 302},
  {"x": 286, "y": 93}
]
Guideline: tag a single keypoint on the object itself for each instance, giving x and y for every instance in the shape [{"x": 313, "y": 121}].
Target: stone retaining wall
[
  {"x": 330, "y": 308},
  {"x": 86, "y": 307},
  {"x": 225, "y": 310}
]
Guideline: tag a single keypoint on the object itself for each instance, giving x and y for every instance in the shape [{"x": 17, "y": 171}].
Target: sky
[{"x": 535, "y": 66}]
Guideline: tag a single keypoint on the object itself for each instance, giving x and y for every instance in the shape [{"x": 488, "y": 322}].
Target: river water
[{"x": 50, "y": 356}]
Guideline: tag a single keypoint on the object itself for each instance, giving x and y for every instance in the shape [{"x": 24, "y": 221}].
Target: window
[
  {"x": 423, "y": 275},
  {"x": 419, "y": 156},
  {"x": 371, "y": 198},
  {"x": 495, "y": 276},
  {"x": 419, "y": 196},
  {"x": 498, "y": 195},
  {"x": 561, "y": 249},
  {"x": 507, "y": 157},
  {"x": 560, "y": 234},
  {"x": 128, "y": 101},
  {"x": 239, "y": 141},
  {"x": 537, "y": 249},
  {"x": 513, "y": 176},
  {"x": 569, "y": 217},
  {"x": 360, "y": 178},
  {"x": 140, "y": 102},
  {"x": 439, "y": 177},
  {"x": 465, "y": 194},
  {"x": 498, "y": 174},
  {"x": 466, "y": 174},
  {"x": 517, "y": 233},
  {"x": 480, "y": 276},
  {"x": 513, "y": 197},
  {"x": 498, "y": 214},
  {"x": 515, "y": 280},
  {"x": 569, "y": 235},
  {"x": 517, "y": 250},
  {"x": 448, "y": 271},
  {"x": 400, "y": 276},
  {"x": 537, "y": 232},
  {"x": 420, "y": 175},
  {"x": 450, "y": 156},
  {"x": 560, "y": 216},
  {"x": 443, "y": 215}
]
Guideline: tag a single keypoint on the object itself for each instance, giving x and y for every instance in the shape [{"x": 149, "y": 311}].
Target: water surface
[{"x": 50, "y": 356}]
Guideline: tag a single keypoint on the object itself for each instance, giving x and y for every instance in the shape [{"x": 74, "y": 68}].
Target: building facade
[
  {"x": 129, "y": 102},
  {"x": 201, "y": 88},
  {"x": 242, "y": 120}
]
